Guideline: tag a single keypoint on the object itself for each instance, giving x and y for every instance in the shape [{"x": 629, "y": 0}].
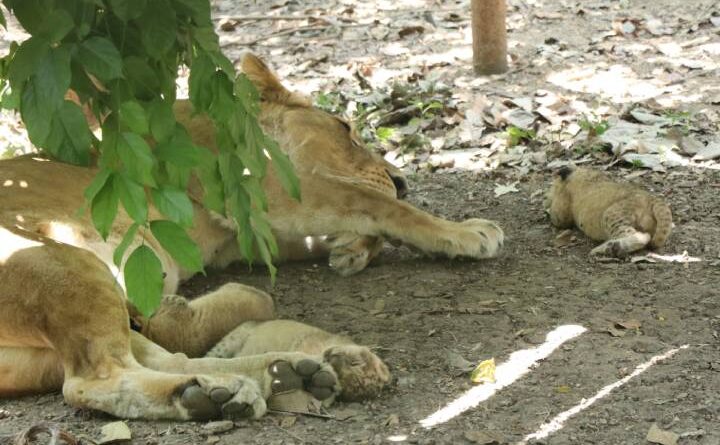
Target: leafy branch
[{"x": 120, "y": 58}]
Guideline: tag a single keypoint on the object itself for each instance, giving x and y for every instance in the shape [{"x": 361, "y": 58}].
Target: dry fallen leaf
[
  {"x": 616, "y": 332},
  {"x": 629, "y": 324},
  {"x": 563, "y": 389},
  {"x": 501, "y": 189},
  {"x": 484, "y": 372},
  {"x": 662, "y": 437},
  {"x": 115, "y": 432}
]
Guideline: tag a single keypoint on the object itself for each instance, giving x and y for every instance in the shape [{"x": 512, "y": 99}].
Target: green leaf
[
  {"x": 178, "y": 244},
  {"x": 142, "y": 78},
  {"x": 285, "y": 171},
  {"x": 100, "y": 58},
  {"x": 55, "y": 26},
  {"x": 181, "y": 151},
  {"x": 27, "y": 60},
  {"x": 97, "y": 183},
  {"x": 174, "y": 204},
  {"x": 128, "y": 238},
  {"x": 144, "y": 280},
  {"x": 29, "y": 12},
  {"x": 162, "y": 120},
  {"x": 199, "y": 10},
  {"x": 159, "y": 28},
  {"x": 3, "y": 22},
  {"x": 35, "y": 113},
  {"x": 133, "y": 115},
  {"x": 136, "y": 157},
  {"x": 127, "y": 9},
  {"x": 70, "y": 138},
  {"x": 201, "y": 71},
  {"x": 247, "y": 94},
  {"x": 214, "y": 197},
  {"x": 133, "y": 198},
  {"x": 104, "y": 208},
  {"x": 53, "y": 76}
]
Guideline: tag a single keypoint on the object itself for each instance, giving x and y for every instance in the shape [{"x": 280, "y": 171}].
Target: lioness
[
  {"x": 64, "y": 320},
  {"x": 624, "y": 216}
]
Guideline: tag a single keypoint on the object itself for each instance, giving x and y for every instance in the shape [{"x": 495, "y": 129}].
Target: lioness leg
[
  {"x": 70, "y": 303},
  {"x": 26, "y": 370},
  {"x": 275, "y": 372},
  {"x": 193, "y": 327},
  {"x": 332, "y": 206}
]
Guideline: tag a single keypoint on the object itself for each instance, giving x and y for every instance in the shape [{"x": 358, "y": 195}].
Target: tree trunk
[{"x": 489, "y": 36}]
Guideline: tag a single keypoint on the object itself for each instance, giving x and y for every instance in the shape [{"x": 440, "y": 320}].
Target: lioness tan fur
[
  {"x": 626, "y": 217},
  {"x": 63, "y": 318}
]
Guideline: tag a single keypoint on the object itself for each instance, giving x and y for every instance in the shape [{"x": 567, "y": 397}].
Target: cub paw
[
  {"x": 476, "y": 238},
  {"x": 306, "y": 374},
  {"x": 361, "y": 373},
  {"x": 212, "y": 397},
  {"x": 351, "y": 253}
]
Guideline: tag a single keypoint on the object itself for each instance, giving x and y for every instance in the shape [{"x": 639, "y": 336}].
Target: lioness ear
[{"x": 267, "y": 84}]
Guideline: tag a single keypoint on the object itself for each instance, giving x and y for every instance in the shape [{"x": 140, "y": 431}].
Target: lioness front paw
[
  {"x": 212, "y": 397},
  {"x": 475, "y": 238},
  {"x": 361, "y": 373},
  {"x": 306, "y": 374},
  {"x": 351, "y": 253}
]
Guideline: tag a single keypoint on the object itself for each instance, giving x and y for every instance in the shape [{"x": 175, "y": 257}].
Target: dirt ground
[{"x": 424, "y": 316}]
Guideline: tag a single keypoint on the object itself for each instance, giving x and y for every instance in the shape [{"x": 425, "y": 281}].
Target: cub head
[
  {"x": 361, "y": 373},
  {"x": 308, "y": 134}
]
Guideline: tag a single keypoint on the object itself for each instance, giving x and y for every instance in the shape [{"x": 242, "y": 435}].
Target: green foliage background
[{"x": 121, "y": 57}]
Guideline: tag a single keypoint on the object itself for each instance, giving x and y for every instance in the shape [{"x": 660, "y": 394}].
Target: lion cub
[
  {"x": 361, "y": 373},
  {"x": 624, "y": 216}
]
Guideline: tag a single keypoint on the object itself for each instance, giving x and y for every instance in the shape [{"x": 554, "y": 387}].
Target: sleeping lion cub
[
  {"x": 624, "y": 216},
  {"x": 361, "y": 373}
]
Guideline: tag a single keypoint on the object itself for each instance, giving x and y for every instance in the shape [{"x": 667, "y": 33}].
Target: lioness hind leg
[{"x": 26, "y": 370}]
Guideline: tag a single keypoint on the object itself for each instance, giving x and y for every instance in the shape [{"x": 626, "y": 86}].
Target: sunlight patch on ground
[
  {"x": 557, "y": 423},
  {"x": 517, "y": 365},
  {"x": 618, "y": 83}
]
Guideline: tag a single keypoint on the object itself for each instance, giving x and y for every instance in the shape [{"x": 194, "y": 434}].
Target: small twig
[
  {"x": 243, "y": 18},
  {"x": 285, "y": 32}
]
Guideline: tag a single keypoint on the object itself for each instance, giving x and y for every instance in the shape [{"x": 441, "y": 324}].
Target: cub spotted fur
[
  {"x": 361, "y": 373},
  {"x": 626, "y": 217}
]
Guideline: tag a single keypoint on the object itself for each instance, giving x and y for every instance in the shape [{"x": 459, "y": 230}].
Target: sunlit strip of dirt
[
  {"x": 557, "y": 423},
  {"x": 507, "y": 373}
]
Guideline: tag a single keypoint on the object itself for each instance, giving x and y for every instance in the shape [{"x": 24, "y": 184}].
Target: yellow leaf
[
  {"x": 562, "y": 389},
  {"x": 484, "y": 372}
]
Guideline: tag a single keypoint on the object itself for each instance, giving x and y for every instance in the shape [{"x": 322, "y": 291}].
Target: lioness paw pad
[{"x": 212, "y": 397}]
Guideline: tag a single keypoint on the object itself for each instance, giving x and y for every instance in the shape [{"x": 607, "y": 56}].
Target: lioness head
[{"x": 310, "y": 135}]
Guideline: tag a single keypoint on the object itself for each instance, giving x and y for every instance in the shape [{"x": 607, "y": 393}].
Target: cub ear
[
  {"x": 267, "y": 84},
  {"x": 564, "y": 172}
]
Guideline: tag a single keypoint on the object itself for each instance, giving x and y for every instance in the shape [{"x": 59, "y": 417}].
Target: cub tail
[{"x": 663, "y": 224}]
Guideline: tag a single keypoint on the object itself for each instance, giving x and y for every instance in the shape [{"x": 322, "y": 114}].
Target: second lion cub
[{"x": 626, "y": 217}]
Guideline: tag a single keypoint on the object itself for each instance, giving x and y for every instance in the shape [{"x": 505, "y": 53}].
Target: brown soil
[{"x": 416, "y": 310}]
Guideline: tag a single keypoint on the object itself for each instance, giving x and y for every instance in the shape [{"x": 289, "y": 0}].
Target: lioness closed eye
[{"x": 624, "y": 216}]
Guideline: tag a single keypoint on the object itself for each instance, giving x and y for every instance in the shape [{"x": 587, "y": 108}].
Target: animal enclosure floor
[
  {"x": 421, "y": 314},
  {"x": 431, "y": 318}
]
